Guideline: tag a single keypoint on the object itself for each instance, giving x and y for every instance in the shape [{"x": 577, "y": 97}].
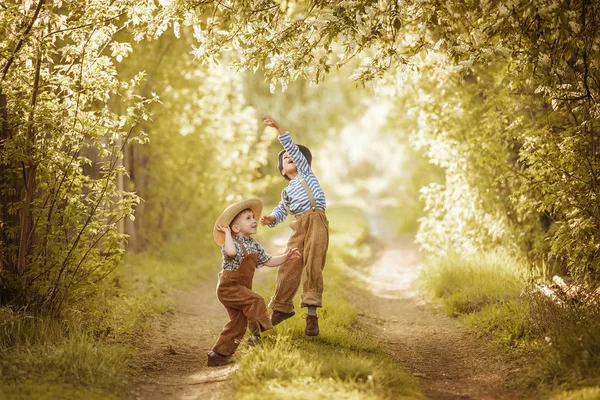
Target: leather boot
[
  {"x": 216, "y": 359},
  {"x": 279, "y": 316},
  {"x": 312, "y": 325}
]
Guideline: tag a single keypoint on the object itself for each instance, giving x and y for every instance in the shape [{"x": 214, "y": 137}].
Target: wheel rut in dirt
[{"x": 173, "y": 352}]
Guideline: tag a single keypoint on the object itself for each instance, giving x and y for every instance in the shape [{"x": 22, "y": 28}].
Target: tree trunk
[
  {"x": 8, "y": 221},
  {"x": 26, "y": 222}
]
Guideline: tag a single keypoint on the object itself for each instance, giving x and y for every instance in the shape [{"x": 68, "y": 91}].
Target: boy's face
[
  {"x": 287, "y": 166},
  {"x": 244, "y": 223}
]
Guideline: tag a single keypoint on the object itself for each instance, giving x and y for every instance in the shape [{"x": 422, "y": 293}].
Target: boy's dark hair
[{"x": 305, "y": 152}]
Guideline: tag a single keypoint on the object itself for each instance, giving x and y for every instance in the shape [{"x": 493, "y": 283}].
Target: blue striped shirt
[{"x": 294, "y": 196}]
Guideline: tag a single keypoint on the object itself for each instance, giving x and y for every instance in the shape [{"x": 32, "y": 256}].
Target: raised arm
[
  {"x": 229, "y": 247},
  {"x": 288, "y": 144},
  {"x": 268, "y": 121}
]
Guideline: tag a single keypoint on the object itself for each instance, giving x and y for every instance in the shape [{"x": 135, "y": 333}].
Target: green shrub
[
  {"x": 467, "y": 284},
  {"x": 507, "y": 322}
]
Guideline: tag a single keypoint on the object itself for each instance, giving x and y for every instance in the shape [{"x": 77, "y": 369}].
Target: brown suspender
[
  {"x": 309, "y": 192},
  {"x": 243, "y": 247}
]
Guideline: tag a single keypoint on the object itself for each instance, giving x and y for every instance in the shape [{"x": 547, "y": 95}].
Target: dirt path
[
  {"x": 173, "y": 359},
  {"x": 450, "y": 362}
]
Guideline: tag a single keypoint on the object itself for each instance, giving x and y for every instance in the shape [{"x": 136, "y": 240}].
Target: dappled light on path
[
  {"x": 174, "y": 354},
  {"x": 449, "y": 362},
  {"x": 395, "y": 272},
  {"x": 395, "y": 275}
]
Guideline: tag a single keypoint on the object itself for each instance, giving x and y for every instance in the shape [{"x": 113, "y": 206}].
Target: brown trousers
[
  {"x": 245, "y": 307},
  {"x": 310, "y": 234}
]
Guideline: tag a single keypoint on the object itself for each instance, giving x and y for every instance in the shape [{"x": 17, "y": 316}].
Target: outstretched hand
[
  {"x": 268, "y": 121},
  {"x": 266, "y": 220},
  {"x": 292, "y": 254}
]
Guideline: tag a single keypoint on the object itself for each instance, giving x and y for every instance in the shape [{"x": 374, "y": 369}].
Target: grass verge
[
  {"x": 558, "y": 343},
  {"x": 86, "y": 354},
  {"x": 343, "y": 362}
]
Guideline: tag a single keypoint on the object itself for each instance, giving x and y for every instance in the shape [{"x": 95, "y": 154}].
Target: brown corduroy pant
[
  {"x": 246, "y": 308},
  {"x": 310, "y": 234}
]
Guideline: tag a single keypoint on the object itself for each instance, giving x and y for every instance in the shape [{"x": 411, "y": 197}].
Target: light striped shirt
[
  {"x": 294, "y": 196},
  {"x": 252, "y": 246}
]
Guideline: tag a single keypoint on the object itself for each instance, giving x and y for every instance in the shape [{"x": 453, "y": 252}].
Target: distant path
[{"x": 450, "y": 362}]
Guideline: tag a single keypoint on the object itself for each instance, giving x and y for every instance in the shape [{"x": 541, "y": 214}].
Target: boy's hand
[
  {"x": 224, "y": 228},
  {"x": 268, "y": 121},
  {"x": 292, "y": 254},
  {"x": 267, "y": 219}
]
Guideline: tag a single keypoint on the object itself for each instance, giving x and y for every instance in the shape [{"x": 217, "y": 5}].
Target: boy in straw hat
[
  {"x": 304, "y": 198},
  {"x": 241, "y": 256}
]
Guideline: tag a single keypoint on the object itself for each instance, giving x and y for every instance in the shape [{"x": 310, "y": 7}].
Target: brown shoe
[
  {"x": 216, "y": 359},
  {"x": 279, "y": 316},
  {"x": 312, "y": 325}
]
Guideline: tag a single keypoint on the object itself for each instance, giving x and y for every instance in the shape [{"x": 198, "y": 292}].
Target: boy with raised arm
[{"x": 303, "y": 198}]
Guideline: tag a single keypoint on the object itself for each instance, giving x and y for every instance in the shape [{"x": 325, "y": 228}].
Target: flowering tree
[
  {"x": 541, "y": 58},
  {"x": 523, "y": 81},
  {"x": 59, "y": 220}
]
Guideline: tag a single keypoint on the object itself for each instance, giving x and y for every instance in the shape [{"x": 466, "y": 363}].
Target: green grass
[
  {"x": 507, "y": 322},
  {"x": 86, "y": 354},
  {"x": 557, "y": 343},
  {"x": 36, "y": 390},
  {"x": 43, "y": 358},
  {"x": 570, "y": 334},
  {"x": 343, "y": 362},
  {"x": 466, "y": 285},
  {"x": 589, "y": 393}
]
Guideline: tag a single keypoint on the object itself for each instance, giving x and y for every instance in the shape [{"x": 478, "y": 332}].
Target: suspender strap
[
  {"x": 285, "y": 204},
  {"x": 243, "y": 247},
  {"x": 309, "y": 192}
]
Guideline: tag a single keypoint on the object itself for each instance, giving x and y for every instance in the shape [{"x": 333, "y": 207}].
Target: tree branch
[{"x": 22, "y": 40}]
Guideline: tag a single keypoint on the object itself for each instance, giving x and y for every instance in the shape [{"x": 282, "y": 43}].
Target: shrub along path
[{"x": 450, "y": 362}]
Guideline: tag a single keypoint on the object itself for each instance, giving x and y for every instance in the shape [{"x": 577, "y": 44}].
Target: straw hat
[{"x": 231, "y": 212}]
